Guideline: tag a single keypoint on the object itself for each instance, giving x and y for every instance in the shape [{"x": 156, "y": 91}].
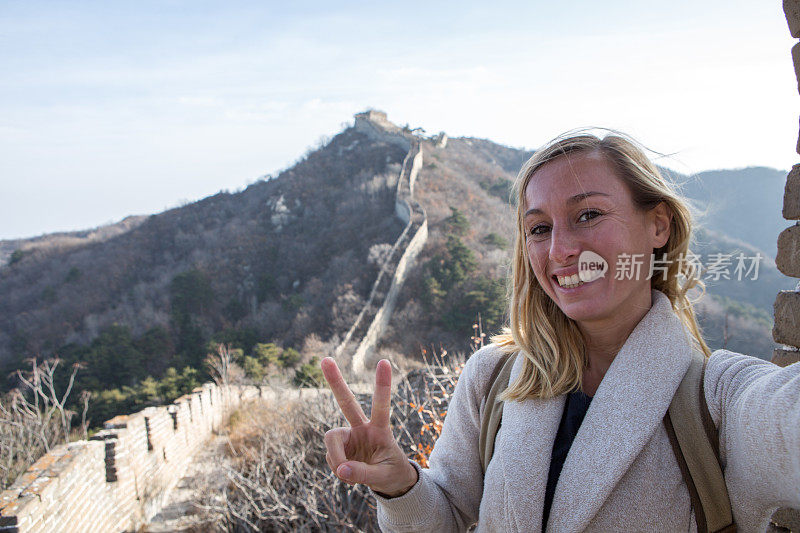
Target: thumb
[{"x": 358, "y": 472}]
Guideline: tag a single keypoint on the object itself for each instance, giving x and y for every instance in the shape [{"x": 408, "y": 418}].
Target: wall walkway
[{"x": 366, "y": 331}]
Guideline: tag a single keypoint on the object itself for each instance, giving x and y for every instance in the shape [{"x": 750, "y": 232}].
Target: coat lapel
[
  {"x": 525, "y": 442},
  {"x": 627, "y": 408}
]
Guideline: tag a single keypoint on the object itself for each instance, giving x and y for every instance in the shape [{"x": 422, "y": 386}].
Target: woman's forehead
[{"x": 571, "y": 178}]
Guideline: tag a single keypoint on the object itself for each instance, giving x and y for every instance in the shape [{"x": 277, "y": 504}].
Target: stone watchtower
[
  {"x": 374, "y": 124},
  {"x": 372, "y": 119}
]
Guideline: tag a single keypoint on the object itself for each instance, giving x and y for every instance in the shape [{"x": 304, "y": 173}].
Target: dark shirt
[{"x": 574, "y": 410}]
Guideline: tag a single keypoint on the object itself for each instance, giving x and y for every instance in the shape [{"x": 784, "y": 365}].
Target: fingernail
[{"x": 345, "y": 471}]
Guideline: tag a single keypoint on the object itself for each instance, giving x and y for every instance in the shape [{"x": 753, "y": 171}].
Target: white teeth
[{"x": 569, "y": 281}]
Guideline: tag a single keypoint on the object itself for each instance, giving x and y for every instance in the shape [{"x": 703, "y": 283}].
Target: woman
[{"x": 582, "y": 446}]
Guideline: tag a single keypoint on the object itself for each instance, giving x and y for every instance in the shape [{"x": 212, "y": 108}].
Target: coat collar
[{"x": 627, "y": 408}]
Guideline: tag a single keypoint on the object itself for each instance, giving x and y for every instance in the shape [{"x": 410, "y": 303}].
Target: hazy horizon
[
  {"x": 183, "y": 202},
  {"x": 109, "y": 110}
]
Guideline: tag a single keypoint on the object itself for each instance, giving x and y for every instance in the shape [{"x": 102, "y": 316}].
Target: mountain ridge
[{"x": 312, "y": 288}]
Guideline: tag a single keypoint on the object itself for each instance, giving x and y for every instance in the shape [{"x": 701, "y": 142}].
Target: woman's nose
[{"x": 564, "y": 246}]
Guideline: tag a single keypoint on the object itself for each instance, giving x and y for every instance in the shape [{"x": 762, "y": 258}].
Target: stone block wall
[
  {"x": 787, "y": 303},
  {"x": 404, "y": 254},
  {"x": 121, "y": 477}
]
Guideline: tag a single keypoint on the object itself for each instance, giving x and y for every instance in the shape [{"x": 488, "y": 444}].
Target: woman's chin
[{"x": 584, "y": 312}]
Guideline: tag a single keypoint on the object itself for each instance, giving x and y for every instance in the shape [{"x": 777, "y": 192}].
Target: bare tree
[
  {"x": 85, "y": 397},
  {"x": 40, "y": 381},
  {"x": 35, "y": 419},
  {"x": 223, "y": 369}
]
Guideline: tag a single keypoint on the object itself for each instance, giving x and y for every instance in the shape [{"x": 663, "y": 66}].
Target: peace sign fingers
[
  {"x": 344, "y": 396},
  {"x": 381, "y": 398},
  {"x": 367, "y": 452}
]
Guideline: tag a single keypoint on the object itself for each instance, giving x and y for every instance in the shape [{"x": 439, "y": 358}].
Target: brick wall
[{"x": 121, "y": 477}]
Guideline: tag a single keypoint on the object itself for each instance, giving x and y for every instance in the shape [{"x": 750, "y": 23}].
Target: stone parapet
[
  {"x": 791, "y": 9},
  {"x": 787, "y": 318},
  {"x": 791, "y": 195},
  {"x": 787, "y": 304},
  {"x": 788, "y": 258},
  {"x": 120, "y": 478}
]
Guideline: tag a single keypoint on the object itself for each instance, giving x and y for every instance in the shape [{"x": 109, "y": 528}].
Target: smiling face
[{"x": 575, "y": 204}]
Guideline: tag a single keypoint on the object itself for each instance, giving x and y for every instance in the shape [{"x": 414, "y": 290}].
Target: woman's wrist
[{"x": 413, "y": 477}]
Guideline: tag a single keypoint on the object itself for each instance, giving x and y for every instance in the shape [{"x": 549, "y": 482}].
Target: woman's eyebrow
[{"x": 573, "y": 200}]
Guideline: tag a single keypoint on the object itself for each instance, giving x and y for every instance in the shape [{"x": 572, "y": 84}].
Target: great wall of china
[
  {"x": 120, "y": 478},
  {"x": 366, "y": 331}
]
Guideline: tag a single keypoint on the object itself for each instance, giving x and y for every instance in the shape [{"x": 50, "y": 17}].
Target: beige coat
[{"x": 620, "y": 474}]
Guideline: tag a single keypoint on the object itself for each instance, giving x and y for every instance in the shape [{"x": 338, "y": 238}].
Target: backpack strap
[
  {"x": 695, "y": 442},
  {"x": 492, "y": 409}
]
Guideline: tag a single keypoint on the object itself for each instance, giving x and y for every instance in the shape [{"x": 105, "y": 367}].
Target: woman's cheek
[{"x": 535, "y": 257}]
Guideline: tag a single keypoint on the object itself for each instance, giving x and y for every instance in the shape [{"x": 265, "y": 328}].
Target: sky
[{"x": 109, "y": 109}]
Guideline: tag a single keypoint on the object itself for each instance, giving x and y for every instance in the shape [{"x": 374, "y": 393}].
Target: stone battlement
[{"x": 120, "y": 478}]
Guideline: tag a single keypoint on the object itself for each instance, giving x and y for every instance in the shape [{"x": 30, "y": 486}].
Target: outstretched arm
[{"x": 756, "y": 406}]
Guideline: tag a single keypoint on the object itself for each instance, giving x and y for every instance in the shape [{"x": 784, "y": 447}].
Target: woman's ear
[{"x": 661, "y": 222}]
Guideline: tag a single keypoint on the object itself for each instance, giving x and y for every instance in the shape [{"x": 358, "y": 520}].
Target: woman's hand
[{"x": 367, "y": 452}]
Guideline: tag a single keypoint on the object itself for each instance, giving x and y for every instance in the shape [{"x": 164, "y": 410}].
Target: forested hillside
[
  {"x": 288, "y": 260},
  {"x": 724, "y": 195},
  {"x": 465, "y": 190},
  {"x": 281, "y": 269}
]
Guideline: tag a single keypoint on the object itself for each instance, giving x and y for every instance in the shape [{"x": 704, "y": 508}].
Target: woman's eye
[
  {"x": 542, "y": 229},
  {"x": 591, "y": 214},
  {"x": 536, "y": 229}
]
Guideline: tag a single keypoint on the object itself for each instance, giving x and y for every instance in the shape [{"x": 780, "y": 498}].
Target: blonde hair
[{"x": 550, "y": 342}]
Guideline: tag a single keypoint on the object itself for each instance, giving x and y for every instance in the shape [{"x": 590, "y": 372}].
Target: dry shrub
[
  {"x": 313, "y": 345},
  {"x": 420, "y": 403},
  {"x": 280, "y": 480}
]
